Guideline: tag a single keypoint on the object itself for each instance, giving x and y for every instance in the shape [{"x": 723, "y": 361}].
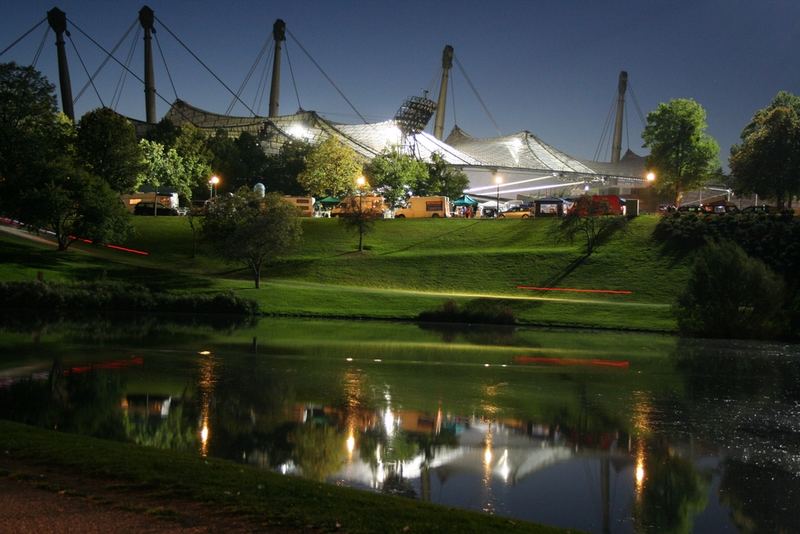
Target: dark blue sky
[{"x": 550, "y": 68}]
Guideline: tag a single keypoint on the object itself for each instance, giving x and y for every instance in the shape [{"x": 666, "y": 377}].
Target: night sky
[{"x": 547, "y": 67}]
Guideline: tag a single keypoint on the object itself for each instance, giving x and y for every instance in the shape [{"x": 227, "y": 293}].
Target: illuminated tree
[
  {"x": 394, "y": 174},
  {"x": 767, "y": 162},
  {"x": 331, "y": 169},
  {"x": 682, "y": 155}
]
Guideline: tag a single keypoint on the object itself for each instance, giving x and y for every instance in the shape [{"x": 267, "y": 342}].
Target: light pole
[
  {"x": 498, "y": 180},
  {"x": 212, "y": 184},
  {"x": 360, "y": 182}
]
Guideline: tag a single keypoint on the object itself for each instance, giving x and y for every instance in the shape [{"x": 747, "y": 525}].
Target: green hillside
[{"x": 410, "y": 266}]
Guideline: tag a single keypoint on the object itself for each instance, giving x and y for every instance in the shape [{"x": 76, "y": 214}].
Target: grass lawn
[
  {"x": 237, "y": 490},
  {"x": 410, "y": 266}
]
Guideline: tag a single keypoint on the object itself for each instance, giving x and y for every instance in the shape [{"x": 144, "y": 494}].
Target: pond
[{"x": 599, "y": 431}]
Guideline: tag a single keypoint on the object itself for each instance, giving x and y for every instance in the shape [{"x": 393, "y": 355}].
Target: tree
[
  {"x": 359, "y": 214},
  {"x": 767, "y": 162},
  {"x": 164, "y": 167},
  {"x": 74, "y": 204},
  {"x": 28, "y": 118},
  {"x": 41, "y": 181},
  {"x": 107, "y": 146},
  {"x": 282, "y": 169},
  {"x": 443, "y": 179},
  {"x": 245, "y": 228},
  {"x": 590, "y": 219},
  {"x": 191, "y": 146},
  {"x": 730, "y": 295},
  {"x": 681, "y": 153},
  {"x": 394, "y": 174},
  {"x": 331, "y": 169}
]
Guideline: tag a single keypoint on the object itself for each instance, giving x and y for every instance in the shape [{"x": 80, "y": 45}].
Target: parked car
[
  {"x": 516, "y": 212},
  {"x": 149, "y": 208},
  {"x": 763, "y": 208}
]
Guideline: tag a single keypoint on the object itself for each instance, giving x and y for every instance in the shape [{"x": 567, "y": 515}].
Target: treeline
[{"x": 744, "y": 282}]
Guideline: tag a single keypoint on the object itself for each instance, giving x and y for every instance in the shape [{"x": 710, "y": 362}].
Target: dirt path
[
  {"x": 36, "y": 499},
  {"x": 19, "y": 232}
]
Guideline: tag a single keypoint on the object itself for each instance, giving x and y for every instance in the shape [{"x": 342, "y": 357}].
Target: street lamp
[
  {"x": 498, "y": 180},
  {"x": 212, "y": 184},
  {"x": 651, "y": 176}
]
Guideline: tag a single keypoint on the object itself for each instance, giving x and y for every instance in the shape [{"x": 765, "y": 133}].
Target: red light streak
[
  {"x": 574, "y": 290},
  {"x": 619, "y": 364},
  {"x": 114, "y": 247}
]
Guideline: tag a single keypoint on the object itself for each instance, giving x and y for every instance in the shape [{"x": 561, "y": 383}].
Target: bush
[
  {"x": 476, "y": 311},
  {"x": 107, "y": 297},
  {"x": 731, "y": 295}
]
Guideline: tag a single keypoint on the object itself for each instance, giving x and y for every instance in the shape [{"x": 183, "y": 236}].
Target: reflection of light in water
[
  {"x": 349, "y": 359},
  {"x": 206, "y": 383},
  {"x": 505, "y": 470},
  {"x": 639, "y": 473},
  {"x": 204, "y": 352},
  {"x": 351, "y": 445},
  {"x": 487, "y": 471},
  {"x": 388, "y": 422}
]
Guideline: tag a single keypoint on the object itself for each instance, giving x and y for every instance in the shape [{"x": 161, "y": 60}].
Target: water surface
[{"x": 604, "y": 432}]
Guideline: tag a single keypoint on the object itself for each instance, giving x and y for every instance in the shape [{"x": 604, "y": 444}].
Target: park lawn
[
  {"x": 410, "y": 266},
  {"x": 239, "y": 490}
]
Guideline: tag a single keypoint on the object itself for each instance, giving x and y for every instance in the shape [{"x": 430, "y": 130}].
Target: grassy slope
[
  {"x": 411, "y": 265},
  {"x": 267, "y": 497}
]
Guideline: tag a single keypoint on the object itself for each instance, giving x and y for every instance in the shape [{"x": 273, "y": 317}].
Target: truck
[
  {"x": 305, "y": 205},
  {"x": 355, "y": 203},
  {"x": 420, "y": 207},
  {"x": 168, "y": 200}
]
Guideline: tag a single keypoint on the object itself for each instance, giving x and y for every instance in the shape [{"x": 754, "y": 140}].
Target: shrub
[
  {"x": 107, "y": 297},
  {"x": 476, "y": 311},
  {"x": 730, "y": 295}
]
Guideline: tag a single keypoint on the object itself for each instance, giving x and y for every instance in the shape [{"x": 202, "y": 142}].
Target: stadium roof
[{"x": 524, "y": 150}]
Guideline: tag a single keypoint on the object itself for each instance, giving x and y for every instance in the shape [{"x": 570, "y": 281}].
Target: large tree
[
  {"x": 443, "y": 179},
  {"x": 165, "y": 167},
  {"x": 331, "y": 169},
  {"x": 394, "y": 174},
  {"x": 682, "y": 154},
  {"x": 767, "y": 162},
  {"x": 107, "y": 146},
  {"x": 41, "y": 180},
  {"x": 74, "y": 205},
  {"x": 244, "y": 228},
  {"x": 30, "y": 134}
]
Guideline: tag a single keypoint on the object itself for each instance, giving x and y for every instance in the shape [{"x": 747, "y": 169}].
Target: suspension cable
[
  {"x": 247, "y": 77},
  {"x": 327, "y": 77},
  {"x": 205, "y": 66},
  {"x": 474, "y": 90},
  {"x": 103, "y": 63},
  {"x": 124, "y": 74},
  {"x": 23, "y": 36},
  {"x": 294, "y": 82},
  {"x": 606, "y": 124},
  {"x": 261, "y": 89},
  {"x": 166, "y": 67},
  {"x": 627, "y": 129},
  {"x": 85, "y": 70},
  {"x": 41, "y": 46},
  {"x": 453, "y": 100},
  {"x": 138, "y": 78},
  {"x": 636, "y": 103}
]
